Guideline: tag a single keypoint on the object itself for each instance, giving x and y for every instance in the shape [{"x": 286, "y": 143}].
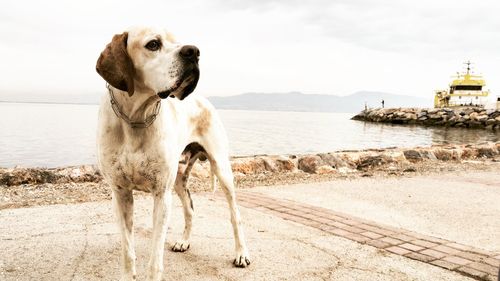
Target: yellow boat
[{"x": 466, "y": 90}]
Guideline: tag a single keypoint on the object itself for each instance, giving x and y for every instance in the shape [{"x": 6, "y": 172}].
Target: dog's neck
[{"x": 138, "y": 111}]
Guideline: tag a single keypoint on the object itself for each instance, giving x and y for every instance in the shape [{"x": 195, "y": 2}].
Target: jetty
[{"x": 472, "y": 117}]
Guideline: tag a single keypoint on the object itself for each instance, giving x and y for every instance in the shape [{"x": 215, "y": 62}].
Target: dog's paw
[
  {"x": 181, "y": 246},
  {"x": 131, "y": 277},
  {"x": 242, "y": 260}
]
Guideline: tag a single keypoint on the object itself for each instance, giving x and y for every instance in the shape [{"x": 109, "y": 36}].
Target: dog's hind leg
[
  {"x": 182, "y": 190},
  {"x": 124, "y": 208},
  {"x": 225, "y": 176}
]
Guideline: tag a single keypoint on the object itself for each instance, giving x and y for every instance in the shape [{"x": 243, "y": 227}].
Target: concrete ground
[
  {"x": 80, "y": 241},
  {"x": 456, "y": 207}
]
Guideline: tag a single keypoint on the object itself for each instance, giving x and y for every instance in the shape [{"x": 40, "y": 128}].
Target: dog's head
[{"x": 150, "y": 61}]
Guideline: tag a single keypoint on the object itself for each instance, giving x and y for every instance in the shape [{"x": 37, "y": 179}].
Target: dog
[{"x": 147, "y": 141}]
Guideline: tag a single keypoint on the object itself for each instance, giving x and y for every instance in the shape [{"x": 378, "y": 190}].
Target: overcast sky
[{"x": 324, "y": 47}]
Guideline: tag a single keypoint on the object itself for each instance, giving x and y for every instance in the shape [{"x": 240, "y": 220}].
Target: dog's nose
[{"x": 190, "y": 52}]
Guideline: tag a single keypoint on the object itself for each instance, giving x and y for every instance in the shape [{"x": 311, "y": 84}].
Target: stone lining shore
[
  {"x": 458, "y": 117},
  {"x": 341, "y": 162}
]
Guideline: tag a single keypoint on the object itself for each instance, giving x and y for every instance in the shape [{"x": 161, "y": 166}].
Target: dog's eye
[{"x": 153, "y": 45}]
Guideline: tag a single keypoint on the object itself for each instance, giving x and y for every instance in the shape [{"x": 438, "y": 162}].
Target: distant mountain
[
  {"x": 293, "y": 101},
  {"x": 90, "y": 98},
  {"x": 296, "y": 101}
]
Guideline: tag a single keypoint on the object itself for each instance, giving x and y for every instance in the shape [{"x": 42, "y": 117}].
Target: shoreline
[
  {"x": 341, "y": 162},
  {"x": 23, "y": 187}
]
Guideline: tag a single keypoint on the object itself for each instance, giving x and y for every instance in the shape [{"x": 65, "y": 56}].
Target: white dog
[{"x": 141, "y": 138}]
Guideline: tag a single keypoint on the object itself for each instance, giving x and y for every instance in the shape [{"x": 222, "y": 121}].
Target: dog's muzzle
[{"x": 190, "y": 56}]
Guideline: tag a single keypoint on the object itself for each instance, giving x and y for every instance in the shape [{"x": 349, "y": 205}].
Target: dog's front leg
[
  {"x": 124, "y": 208},
  {"x": 161, "y": 213}
]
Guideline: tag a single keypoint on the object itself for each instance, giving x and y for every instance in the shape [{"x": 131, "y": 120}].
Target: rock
[
  {"x": 394, "y": 156},
  {"x": 482, "y": 118},
  {"x": 238, "y": 175},
  {"x": 345, "y": 170},
  {"x": 325, "y": 169},
  {"x": 409, "y": 170},
  {"x": 332, "y": 160},
  {"x": 269, "y": 164},
  {"x": 490, "y": 122},
  {"x": 249, "y": 165},
  {"x": 284, "y": 164},
  {"x": 469, "y": 153},
  {"x": 428, "y": 154},
  {"x": 198, "y": 171},
  {"x": 487, "y": 152},
  {"x": 411, "y": 116},
  {"x": 435, "y": 116},
  {"x": 412, "y": 155},
  {"x": 421, "y": 114},
  {"x": 443, "y": 154},
  {"x": 310, "y": 163},
  {"x": 371, "y": 161}
]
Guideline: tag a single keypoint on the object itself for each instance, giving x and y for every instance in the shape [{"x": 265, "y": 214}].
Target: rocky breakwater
[
  {"x": 266, "y": 166},
  {"x": 459, "y": 117}
]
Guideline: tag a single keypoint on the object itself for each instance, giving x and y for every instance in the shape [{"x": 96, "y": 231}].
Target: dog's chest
[{"x": 140, "y": 170}]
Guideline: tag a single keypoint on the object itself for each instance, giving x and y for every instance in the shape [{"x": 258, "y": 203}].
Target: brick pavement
[{"x": 469, "y": 261}]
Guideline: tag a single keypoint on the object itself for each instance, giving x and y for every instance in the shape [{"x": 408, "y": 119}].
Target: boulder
[
  {"x": 325, "y": 169},
  {"x": 310, "y": 163},
  {"x": 435, "y": 116},
  {"x": 200, "y": 172},
  {"x": 487, "y": 151},
  {"x": 427, "y": 154},
  {"x": 370, "y": 161},
  {"x": 421, "y": 114},
  {"x": 494, "y": 114},
  {"x": 412, "y": 155},
  {"x": 490, "y": 122},
  {"x": 469, "y": 153},
  {"x": 482, "y": 118},
  {"x": 443, "y": 154},
  {"x": 284, "y": 164},
  {"x": 248, "y": 165},
  {"x": 333, "y": 160}
]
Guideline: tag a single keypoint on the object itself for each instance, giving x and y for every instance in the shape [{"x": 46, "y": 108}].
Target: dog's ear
[{"x": 115, "y": 65}]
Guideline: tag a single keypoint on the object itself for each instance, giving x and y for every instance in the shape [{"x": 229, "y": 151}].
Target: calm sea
[{"x": 51, "y": 135}]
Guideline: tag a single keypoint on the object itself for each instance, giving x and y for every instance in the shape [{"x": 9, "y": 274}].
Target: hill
[{"x": 296, "y": 101}]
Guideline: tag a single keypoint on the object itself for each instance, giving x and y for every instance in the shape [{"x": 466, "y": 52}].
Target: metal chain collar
[{"x": 133, "y": 124}]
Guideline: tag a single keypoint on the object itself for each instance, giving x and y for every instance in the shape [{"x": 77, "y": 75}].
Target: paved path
[
  {"x": 302, "y": 238},
  {"x": 470, "y": 261},
  {"x": 456, "y": 207}
]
